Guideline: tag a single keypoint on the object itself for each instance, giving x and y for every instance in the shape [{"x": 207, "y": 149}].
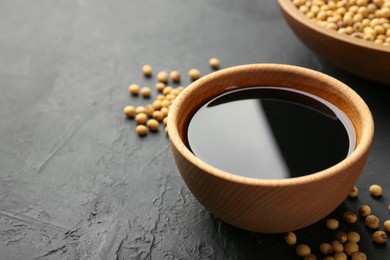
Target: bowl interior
[{"x": 208, "y": 87}]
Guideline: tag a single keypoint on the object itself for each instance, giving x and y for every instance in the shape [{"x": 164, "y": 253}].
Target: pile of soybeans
[
  {"x": 149, "y": 116},
  {"x": 363, "y": 19}
]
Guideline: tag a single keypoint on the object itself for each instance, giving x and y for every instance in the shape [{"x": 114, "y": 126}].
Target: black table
[{"x": 75, "y": 180}]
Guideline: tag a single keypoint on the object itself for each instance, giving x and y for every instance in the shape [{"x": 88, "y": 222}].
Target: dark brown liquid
[{"x": 270, "y": 133}]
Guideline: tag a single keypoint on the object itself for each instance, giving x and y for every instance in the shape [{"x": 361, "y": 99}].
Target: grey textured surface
[{"x": 77, "y": 183}]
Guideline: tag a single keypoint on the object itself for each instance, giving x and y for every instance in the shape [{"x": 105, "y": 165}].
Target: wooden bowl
[
  {"x": 261, "y": 205},
  {"x": 357, "y": 56}
]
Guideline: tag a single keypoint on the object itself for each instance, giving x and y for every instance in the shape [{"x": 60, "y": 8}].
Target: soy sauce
[{"x": 270, "y": 133}]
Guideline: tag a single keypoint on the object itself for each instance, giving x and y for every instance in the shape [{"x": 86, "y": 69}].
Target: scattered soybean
[
  {"x": 290, "y": 238},
  {"x": 214, "y": 63},
  {"x": 332, "y": 223},
  {"x": 340, "y": 256},
  {"x": 337, "y": 246},
  {"x": 162, "y": 76},
  {"x": 372, "y": 221},
  {"x": 152, "y": 124},
  {"x": 303, "y": 250},
  {"x": 349, "y": 217},
  {"x": 129, "y": 111},
  {"x": 141, "y": 118},
  {"x": 310, "y": 257},
  {"x": 353, "y": 236},
  {"x": 194, "y": 74},
  {"x": 175, "y": 76},
  {"x": 379, "y": 237},
  {"x": 386, "y": 225},
  {"x": 326, "y": 249},
  {"x": 147, "y": 70},
  {"x": 358, "y": 256},
  {"x": 341, "y": 236},
  {"x": 364, "y": 210},
  {"x": 134, "y": 89},
  {"x": 141, "y": 130},
  {"x": 350, "y": 248},
  {"x": 354, "y": 192},
  {"x": 376, "y": 190},
  {"x": 146, "y": 92},
  {"x": 160, "y": 86}
]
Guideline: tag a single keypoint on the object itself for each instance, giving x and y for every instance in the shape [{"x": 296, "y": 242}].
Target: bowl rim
[
  {"x": 293, "y": 11},
  {"x": 360, "y": 150}
]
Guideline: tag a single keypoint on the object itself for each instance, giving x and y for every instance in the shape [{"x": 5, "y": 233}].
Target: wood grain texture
[
  {"x": 362, "y": 58},
  {"x": 264, "y": 205}
]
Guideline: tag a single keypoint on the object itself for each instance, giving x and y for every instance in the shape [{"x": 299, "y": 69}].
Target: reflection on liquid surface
[{"x": 270, "y": 133}]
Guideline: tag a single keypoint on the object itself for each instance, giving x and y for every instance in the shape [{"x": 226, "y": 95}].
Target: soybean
[
  {"x": 341, "y": 236},
  {"x": 134, "y": 89},
  {"x": 160, "y": 97},
  {"x": 353, "y": 236},
  {"x": 158, "y": 115},
  {"x": 162, "y": 76},
  {"x": 152, "y": 124},
  {"x": 140, "y": 109},
  {"x": 372, "y": 221},
  {"x": 349, "y": 217},
  {"x": 364, "y": 210},
  {"x": 166, "y": 103},
  {"x": 386, "y": 225},
  {"x": 157, "y": 104},
  {"x": 290, "y": 238},
  {"x": 354, "y": 192},
  {"x": 379, "y": 237},
  {"x": 141, "y": 118},
  {"x": 303, "y": 250},
  {"x": 167, "y": 90},
  {"x": 147, "y": 70},
  {"x": 326, "y": 249},
  {"x": 350, "y": 248},
  {"x": 141, "y": 130},
  {"x": 170, "y": 96},
  {"x": 214, "y": 63},
  {"x": 149, "y": 109},
  {"x": 175, "y": 76},
  {"x": 358, "y": 256},
  {"x": 129, "y": 111},
  {"x": 375, "y": 190},
  {"x": 146, "y": 92},
  {"x": 176, "y": 91},
  {"x": 160, "y": 86},
  {"x": 332, "y": 223},
  {"x": 310, "y": 257},
  {"x": 337, "y": 246},
  {"x": 164, "y": 111},
  {"x": 340, "y": 256},
  {"x": 328, "y": 258},
  {"x": 194, "y": 74}
]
